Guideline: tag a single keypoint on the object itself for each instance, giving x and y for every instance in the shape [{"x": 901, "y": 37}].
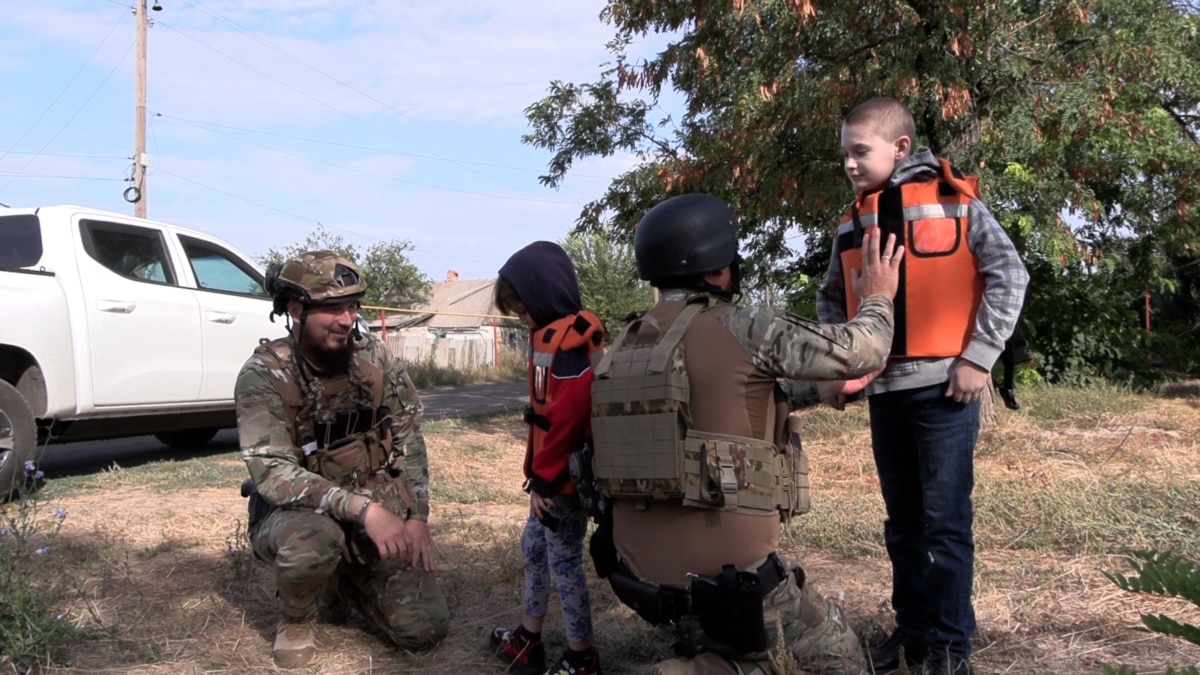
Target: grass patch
[
  {"x": 163, "y": 580},
  {"x": 429, "y": 374}
]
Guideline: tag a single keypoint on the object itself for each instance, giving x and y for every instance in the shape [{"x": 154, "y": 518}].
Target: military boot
[{"x": 294, "y": 644}]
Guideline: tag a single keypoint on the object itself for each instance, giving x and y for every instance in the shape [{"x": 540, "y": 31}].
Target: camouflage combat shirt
[
  {"x": 271, "y": 447},
  {"x": 792, "y": 347}
]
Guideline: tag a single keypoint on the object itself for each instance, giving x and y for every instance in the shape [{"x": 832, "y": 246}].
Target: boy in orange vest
[
  {"x": 961, "y": 289},
  {"x": 538, "y": 284}
]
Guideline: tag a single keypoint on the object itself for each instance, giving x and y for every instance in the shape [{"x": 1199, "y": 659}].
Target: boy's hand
[
  {"x": 966, "y": 381},
  {"x": 880, "y": 269}
]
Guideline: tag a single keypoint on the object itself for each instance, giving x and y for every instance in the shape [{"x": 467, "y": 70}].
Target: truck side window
[
  {"x": 218, "y": 270},
  {"x": 136, "y": 253},
  {"x": 20, "y": 241}
]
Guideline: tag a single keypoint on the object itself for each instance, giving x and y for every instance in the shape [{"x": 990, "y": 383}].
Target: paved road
[{"x": 68, "y": 459}]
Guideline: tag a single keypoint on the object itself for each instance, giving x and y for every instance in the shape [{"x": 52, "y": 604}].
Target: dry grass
[{"x": 160, "y": 566}]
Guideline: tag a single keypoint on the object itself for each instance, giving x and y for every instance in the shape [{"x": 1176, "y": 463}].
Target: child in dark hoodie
[{"x": 538, "y": 284}]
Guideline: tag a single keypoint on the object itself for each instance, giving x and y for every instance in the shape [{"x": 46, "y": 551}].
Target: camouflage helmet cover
[{"x": 316, "y": 277}]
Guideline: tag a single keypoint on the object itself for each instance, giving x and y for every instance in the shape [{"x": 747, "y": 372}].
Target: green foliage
[
  {"x": 392, "y": 279},
  {"x": 608, "y": 278},
  {"x": 1081, "y": 118},
  {"x": 33, "y": 626},
  {"x": 430, "y": 374},
  {"x": 1164, "y": 574}
]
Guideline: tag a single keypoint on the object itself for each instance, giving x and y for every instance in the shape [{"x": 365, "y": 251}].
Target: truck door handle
[
  {"x": 116, "y": 306},
  {"x": 219, "y": 317}
]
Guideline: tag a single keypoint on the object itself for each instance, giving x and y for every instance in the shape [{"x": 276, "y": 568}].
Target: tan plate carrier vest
[
  {"x": 358, "y": 462},
  {"x": 647, "y": 449}
]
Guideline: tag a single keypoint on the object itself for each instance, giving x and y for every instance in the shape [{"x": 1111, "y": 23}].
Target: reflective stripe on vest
[{"x": 940, "y": 284}]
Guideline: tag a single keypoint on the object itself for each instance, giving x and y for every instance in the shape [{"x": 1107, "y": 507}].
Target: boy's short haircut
[
  {"x": 888, "y": 117},
  {"x": 505, "y": 297}
]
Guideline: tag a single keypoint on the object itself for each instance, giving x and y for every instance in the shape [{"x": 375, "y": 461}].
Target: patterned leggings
[{"x": 559, "y": 555}]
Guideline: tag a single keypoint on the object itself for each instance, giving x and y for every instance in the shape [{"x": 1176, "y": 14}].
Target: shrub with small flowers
[{"x": 33, "y": 624}]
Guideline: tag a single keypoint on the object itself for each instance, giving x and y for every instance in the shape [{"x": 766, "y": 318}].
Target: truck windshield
[{"x": 20, "y": 241}]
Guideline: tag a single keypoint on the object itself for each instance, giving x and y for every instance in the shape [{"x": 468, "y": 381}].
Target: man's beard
[{"x": 331, "y": 361}]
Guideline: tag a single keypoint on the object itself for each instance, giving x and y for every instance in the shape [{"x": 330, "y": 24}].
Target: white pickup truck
[{"x": 118, "y": 326}]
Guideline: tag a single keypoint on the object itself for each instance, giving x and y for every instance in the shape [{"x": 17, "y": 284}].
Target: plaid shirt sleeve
[{"x": 1005, "y": 281}]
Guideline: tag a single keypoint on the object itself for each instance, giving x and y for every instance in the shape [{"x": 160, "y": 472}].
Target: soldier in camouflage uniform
[
  {"x": 329, "y": 424},
  {"x": 705, "y": 564}
]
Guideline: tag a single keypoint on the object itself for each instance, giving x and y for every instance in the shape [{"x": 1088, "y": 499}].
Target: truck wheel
[
  {"x": 187, "y": 438},
  {"x": 18, "y": 439}
]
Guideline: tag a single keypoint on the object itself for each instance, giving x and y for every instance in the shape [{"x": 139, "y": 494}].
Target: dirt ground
[{"x": 166, "y": 577}]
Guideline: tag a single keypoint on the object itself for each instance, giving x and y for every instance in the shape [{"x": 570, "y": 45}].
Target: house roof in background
[{"x": 462, "y": 297}]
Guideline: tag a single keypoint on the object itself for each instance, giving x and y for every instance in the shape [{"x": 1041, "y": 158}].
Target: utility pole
[{"x": 140, "y": 159}]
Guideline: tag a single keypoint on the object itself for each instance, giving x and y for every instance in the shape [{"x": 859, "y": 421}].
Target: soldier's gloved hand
[{"x": 387, "y": 530}]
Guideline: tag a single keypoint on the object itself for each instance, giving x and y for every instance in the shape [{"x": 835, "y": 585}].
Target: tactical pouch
[
  {"x": 794, "y": 482},
  {"x": 731, "y": 473},
  {"x": 347, "y": 462},
  {"x": 730, "y": 607}
]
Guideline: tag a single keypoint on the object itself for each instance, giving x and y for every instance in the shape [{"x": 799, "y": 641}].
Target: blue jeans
[{"x": 924, "y": 446}]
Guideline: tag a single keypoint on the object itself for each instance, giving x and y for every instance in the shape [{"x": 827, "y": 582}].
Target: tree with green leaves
[
  {"x": 392, "y": 279},
  {"x": 608, "y": 278},
  {"x": 1080, "y": 116}
]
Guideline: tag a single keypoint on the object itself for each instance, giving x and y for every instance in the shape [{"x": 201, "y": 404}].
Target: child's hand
[
  {"x": 880, "y": 269},
  {"x": 966, "y": 382}
]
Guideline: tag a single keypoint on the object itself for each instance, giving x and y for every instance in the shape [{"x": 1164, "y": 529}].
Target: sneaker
[
  {"x": 294, "y": 644},
  {"x": 941, "y": 662},
  {"x": 1010, "y": 399},
  {"x": 567, "y": 666},
  {"x": 886, "y": 656},
  {"x": 523, "y": 656}
]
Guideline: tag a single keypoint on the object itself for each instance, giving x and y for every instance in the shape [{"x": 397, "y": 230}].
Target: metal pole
[{"x": 139, "y": 125}]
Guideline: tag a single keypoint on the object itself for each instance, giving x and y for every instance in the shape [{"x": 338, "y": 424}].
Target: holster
[
  {"x": 730, "y": 605},
  {"x": 657, "y": 604}
]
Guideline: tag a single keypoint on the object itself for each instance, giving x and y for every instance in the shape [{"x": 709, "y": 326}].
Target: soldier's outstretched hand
[{"x": 880, "y": 266}]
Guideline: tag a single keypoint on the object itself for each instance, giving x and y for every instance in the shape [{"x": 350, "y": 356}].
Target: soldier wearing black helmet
[
  {"x": 694, "y": 454},
  {"x": 329, "y": 424}
]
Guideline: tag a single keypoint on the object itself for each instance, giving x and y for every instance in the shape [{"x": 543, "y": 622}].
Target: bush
[
  {"x": 1164, "y": 574},
  {"x": 33, "y": 626}
]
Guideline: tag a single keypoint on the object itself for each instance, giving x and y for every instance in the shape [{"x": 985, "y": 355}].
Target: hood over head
[{"x": 543, "y": 276}]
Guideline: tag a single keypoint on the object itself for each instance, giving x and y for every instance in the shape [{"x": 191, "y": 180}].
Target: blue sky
[{"x": 380, "y": 119}]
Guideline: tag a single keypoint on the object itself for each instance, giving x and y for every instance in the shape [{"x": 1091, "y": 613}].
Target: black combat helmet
[
  {"x": 685, "y": 237},
  {"x": 314, "y": 278}
]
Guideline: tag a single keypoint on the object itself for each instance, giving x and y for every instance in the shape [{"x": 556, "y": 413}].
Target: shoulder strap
[
  {"x": 666, "y": 347},
  {"x": 281, "y": 352},
  {"x": 605, "y": 364}
]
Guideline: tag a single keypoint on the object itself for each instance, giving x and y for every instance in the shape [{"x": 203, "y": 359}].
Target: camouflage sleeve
[
  {"x": 269, "y": 451},
  {"x": 792, "y": 347},
  {"x": 407, "y": 440}
]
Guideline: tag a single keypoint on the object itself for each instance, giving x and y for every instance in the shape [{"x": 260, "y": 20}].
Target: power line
[
  {"x": 217, "y": 15},
  {"x": 334, "y": 108},
  {"x": 15, "y": 175},
  {"x": 316, "y": 141},
  {"x": 64, "y": 89},
  {"x": 379, "y": 175},
  {"x": 288, "y": 213},
  {"x": 73, "y": 115}
]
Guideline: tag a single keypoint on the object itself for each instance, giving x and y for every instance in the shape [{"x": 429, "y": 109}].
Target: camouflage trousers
[
  {"x": 306, "y": 549},
  {"x": 815, "y": 637}
]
